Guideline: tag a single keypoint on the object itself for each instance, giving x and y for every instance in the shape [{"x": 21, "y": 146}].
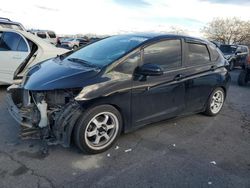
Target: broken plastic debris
[
  {"x": 209, "y": 183},
  {"x": 174, "y": 145},
  {"x": 213, "y": 162},
  {"x": 127, "y": 150},
  {"x": 175, "y": 123},
  {"x": 42, "y": 107},
  {"x": 108, "y": 155},
  {"x": 117, "y": 147}
]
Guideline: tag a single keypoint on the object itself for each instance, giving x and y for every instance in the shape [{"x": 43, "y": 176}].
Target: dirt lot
[{"x": 195, "y": 151}]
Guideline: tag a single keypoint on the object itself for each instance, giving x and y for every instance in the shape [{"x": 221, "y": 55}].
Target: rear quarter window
[
  {"x": 214, "y": 53},
  {"x": 197, "y": 54},
  {"x": 22, "y": 46}
]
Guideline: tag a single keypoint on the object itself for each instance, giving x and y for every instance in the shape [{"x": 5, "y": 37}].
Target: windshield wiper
[{"x": 83, "y": 62}]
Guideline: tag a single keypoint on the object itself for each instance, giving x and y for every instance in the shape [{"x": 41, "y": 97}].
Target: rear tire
[
  {"x": 242, "y": 80},
  {"x": 98, "y": 129},
  {"x": 215, "y": 102}
]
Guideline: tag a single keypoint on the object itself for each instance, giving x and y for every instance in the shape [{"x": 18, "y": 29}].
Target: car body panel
[{"x": 68, "y": 75}]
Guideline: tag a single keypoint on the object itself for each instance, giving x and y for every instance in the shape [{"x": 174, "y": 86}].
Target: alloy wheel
[
  {"x": 217, "y": 101},
  {"x": 101, "y": 130}
]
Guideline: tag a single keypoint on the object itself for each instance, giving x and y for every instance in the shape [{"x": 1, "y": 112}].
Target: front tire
[
  {"x": 215, "y": 102},
  {"x": 98, "y": 129}
]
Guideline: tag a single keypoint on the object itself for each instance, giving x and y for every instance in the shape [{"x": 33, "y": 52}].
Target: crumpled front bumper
[{"x": 13, "y": 109}]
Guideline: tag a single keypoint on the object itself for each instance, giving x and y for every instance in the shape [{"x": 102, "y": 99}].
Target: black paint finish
[{"x": 141, "y": 99}]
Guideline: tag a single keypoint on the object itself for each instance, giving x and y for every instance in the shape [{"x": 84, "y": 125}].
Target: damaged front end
[{"x": 48, "y": 115}]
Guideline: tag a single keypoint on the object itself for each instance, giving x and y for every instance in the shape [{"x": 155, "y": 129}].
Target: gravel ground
[{"x": 194, "y": 151}]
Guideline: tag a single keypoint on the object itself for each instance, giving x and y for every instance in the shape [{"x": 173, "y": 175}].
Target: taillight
[{"x": 248, "y": 60}]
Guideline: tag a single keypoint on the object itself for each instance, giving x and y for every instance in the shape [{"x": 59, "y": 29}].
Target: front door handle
[{"x": 178, "y": 77}]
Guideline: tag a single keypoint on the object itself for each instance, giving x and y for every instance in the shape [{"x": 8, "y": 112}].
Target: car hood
[{"x": 56, "y": 74}]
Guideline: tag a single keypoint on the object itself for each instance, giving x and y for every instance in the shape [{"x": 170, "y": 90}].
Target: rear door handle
[{"x": 178, "y": 77}]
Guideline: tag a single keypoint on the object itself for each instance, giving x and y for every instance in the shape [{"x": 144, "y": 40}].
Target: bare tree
[
  {"x": 177, "y": 30},
  {"x": 228, "y": 31}
]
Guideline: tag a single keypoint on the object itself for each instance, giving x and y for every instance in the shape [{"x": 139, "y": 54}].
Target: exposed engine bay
[{"x": 44, "y": 114}]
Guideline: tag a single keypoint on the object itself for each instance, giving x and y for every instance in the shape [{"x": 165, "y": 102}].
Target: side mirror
[{"x": 150, "y": 70}]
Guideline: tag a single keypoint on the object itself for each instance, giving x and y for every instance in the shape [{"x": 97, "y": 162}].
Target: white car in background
[
  {"x": 47, "y": 35},
  {"x": 20, "y": 50}
]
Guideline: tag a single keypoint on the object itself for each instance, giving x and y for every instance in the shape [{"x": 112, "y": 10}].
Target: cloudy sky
[{"x": 119, "y": 16}]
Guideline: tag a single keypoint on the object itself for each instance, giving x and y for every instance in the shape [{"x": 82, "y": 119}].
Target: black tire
[
  {"x": 80, "y": 130},
  {"x": 209, "y": 111},
  {"x": 242, "y": 79},
  {"x": 75, "y": 47}
]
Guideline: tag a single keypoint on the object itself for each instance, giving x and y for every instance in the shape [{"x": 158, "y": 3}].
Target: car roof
[
  {"x": 38, "y": 30},
  {"x": 8, "y": 21},
  {"x": 159, "y": 36}
]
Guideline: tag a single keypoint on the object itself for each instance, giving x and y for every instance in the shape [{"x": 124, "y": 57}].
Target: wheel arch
[{"x": 69, "y": 130}]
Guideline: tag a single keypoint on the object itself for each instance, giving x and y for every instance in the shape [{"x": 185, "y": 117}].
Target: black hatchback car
[{"x": 117, "y": 85}]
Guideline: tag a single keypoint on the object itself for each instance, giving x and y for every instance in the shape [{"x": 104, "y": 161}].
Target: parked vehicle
[
  {"x": 117, "y": 85},
  {"x": 20, "y": 49},
  {"x": 235, "y": 54},
  {"x": 73, "y": 43},
  {"x": 7, "y": 23},
  {"x": 49, "y": 36},
  {"x": 244, "y": 76}
]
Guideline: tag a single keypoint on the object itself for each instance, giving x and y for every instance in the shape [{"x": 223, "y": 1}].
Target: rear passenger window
[
  {"x": 197, "y": 53},
  {"x": 22, "y": 46},
  {"x": 9, "y": 41},
  {"x": 167, "y": 54}
]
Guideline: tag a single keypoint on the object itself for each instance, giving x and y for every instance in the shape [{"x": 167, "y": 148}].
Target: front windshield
[
  {"x": 108, "y": 50},
  {"x": 228, "y": 49}
]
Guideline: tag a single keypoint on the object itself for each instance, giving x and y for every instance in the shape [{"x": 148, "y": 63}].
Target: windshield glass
[
  {"x": 108, "y": 50},
  {"x": 226, "y": 49}
]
